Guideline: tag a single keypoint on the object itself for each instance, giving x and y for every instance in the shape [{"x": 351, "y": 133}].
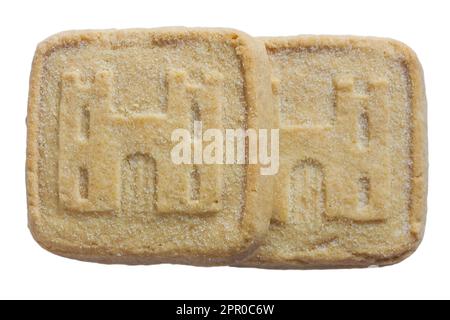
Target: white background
[{"x": 27, "y": 271}]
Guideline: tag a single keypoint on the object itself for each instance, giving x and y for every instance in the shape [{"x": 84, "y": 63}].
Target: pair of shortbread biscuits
[{"x": 351, "y": 114}]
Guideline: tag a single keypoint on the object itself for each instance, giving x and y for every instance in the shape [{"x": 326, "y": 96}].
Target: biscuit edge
[
  {"x": 255, "y": 65},
  {"x": 418, "y": 151}
]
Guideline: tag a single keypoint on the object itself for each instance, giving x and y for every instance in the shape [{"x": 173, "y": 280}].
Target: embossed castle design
[
  {"x": 109, "y": 161},
  {"x": 336, "y": 168}
]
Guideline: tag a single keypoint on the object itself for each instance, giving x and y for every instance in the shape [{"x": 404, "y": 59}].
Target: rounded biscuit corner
[
  {"x": 408, "y": 55},
  {"x": 46, "y": 46},
  {"x": 42, "y": 239},
  {"x": 48, "y": 244},
  {"x": 402, "y": 255}
]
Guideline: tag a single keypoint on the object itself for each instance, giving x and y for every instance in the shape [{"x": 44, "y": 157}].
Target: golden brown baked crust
[
  {"x": 371, "y": 162},
  {"x": 116, "y": 66}
]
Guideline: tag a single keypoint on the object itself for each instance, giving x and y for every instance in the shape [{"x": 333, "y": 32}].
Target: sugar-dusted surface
[
  {"x": 353, "y": 153},
  {"x": 102, "y": 109}
]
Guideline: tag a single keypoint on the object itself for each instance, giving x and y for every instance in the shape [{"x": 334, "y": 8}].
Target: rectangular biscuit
[
  {"x": 102, "y": 106},
  {"x": 351, "y": 190}
]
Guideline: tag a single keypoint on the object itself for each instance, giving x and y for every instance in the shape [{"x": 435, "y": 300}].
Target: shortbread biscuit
[
  {"x": 102, "y": 107},
  {"x": 351, "y": 190}
]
